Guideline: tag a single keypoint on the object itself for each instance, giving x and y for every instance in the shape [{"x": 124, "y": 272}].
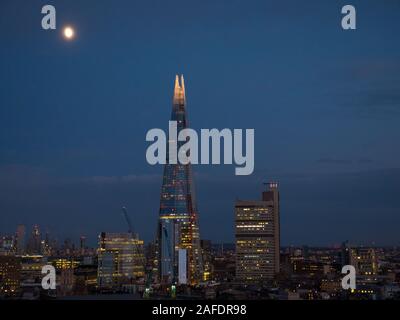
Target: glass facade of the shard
[{"x": 179, "y": 254}]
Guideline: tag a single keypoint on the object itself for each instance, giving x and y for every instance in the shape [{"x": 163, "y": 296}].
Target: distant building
[
  {"x": 45, "y": 247},
  {"x": 31, "y": 268},
  {"x": 332, "y": 286},
  {"x": 82, "y": 245},
  {"x": 10, "y": 274},
  {"x": 258, "y": 237},
  {"x": 65, "y": 282},
  {"x": 120, "y": 259},
  {"x": 224, "y": 267},
  {"x": 20, "y": 239},
  {"x": 151, "y": 261},
  {"x": 65, "y": 270},
  {"x": 206, "y": 248},
  {"x": 35, "y": 242},
  {"x": 364, "y": 260},
  {"x": 310, "y": 268},
  {"x": 7, "y": 246},
  {"x": 85, "y": 276}
]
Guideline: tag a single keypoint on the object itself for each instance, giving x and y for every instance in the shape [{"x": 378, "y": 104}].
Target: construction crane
[{"x": 128, "y": 221}]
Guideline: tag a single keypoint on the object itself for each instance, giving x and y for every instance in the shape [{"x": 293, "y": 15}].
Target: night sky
[{"x": 324, "y": 103}]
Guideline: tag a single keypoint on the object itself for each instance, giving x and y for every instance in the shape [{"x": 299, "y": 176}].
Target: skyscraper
[
  {"x": 82, "y": 245},
  {"x": 34, "y": 244},
  {"x": 364, "y": 260},
  {"x": 120, "y": 259},
  {"x": 258, "y": 237},
  {"x": 10, "y": 274},
  {"x": 179, "y": 249},
  {"x": 20, "y": 235},
  {"x": 272, "y": 197}
]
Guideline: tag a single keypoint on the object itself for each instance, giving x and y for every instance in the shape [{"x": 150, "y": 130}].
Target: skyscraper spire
[
  {"x": 179, "y": 91},
  {"x": 183, "y": 88},
  {"x": 176, "y": 87},
  {"x": 179, "y": 253}
]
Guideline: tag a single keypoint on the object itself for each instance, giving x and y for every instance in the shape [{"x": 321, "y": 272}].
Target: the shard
[{"x": 179, "y": 253}]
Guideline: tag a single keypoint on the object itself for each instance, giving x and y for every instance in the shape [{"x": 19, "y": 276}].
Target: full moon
[{"x": 69, "y": 33}]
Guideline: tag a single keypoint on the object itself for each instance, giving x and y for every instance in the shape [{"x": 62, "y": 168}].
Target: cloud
[
  {"x": 131, "y": 178},
  {"x": 21, "y": 175},
  {"x": 373, "y": 88},
  {"x": 334, "y": 161},
  {"x": 315, "y": 208},
  {"x": 15, "y": 175},
  {"x": 76, "y": 205},
  {"x": 339, "y": 161}
]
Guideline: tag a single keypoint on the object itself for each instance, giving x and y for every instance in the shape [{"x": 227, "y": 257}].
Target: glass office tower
[
  {"x": 179, "y": 253},
  {"x": 120, "y": 259}
]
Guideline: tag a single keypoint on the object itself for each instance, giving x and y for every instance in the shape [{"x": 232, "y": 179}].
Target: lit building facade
[
  {"x": 364, "y": 260},
  {"x": 178, "y": 242},
  {"x": 10, "y": 274},
  {"x": 31, "y": 267},
  {"x": 206, "y": 248},
  {"x": 120, "y": 259},
  {"x": 7, "y": 246},
  {"x": 35, "y": 242},
  {"x": 258, "y": 237},
  {"x": 65, "y": 275}
]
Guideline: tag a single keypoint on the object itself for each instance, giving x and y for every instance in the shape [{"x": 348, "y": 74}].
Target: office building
[
  {"x": 35, "y": 242},
  {"x": 258, "y": 237},
  {"x": 178, "y": 241},
  {"x": 364, "y": 260},
  {"x": 10, "y": 273},
  {"x": 206, "y": 248},
  {"x": 120, "y": 259},
  {"x": 20, "y": 239},
  {"x": 7, "y": 245}
]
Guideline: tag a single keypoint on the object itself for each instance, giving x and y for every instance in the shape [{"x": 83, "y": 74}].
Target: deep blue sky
[{"x": 325, "y": 105}]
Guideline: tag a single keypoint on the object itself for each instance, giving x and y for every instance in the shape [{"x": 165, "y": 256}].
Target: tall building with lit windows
[
  {"x": 179, "y": 253},
  {"x": 120, "y": 259},
  {"x": 10, "y": 274},
  {"x": 35, "y": 241},
  {"x": 258, "y": 237},
  {"x": 364, "y": 260}
]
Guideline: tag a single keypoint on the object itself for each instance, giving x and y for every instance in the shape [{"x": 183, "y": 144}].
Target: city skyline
[
  {"x": 199, "y": 157},
  {"x": 323, "y": 103},
  {"x": 93, "y": 242}
]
